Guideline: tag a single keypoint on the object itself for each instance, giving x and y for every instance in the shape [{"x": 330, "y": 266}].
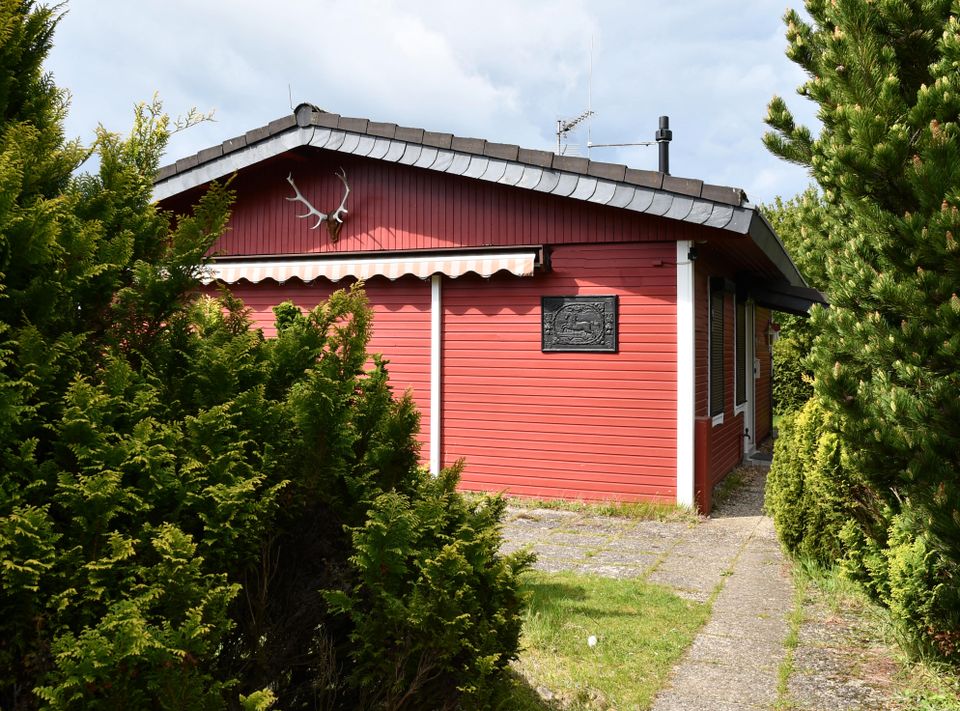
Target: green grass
[
  {"x": 790, "y": 642},
  {"x": 641, "y": 630}
]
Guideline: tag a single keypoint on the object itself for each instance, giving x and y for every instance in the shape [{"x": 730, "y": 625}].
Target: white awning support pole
[
  {"x": 686, "y": 375},
  {"x": 436, "y": 406}
]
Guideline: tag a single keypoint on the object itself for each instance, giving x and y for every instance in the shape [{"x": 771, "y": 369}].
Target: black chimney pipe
[{"x": 664, "y": 135}]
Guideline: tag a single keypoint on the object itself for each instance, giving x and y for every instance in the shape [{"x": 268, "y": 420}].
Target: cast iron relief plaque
[{"x": 579, "y": 323}]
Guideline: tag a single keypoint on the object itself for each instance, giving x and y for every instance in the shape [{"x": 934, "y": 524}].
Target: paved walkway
[
  {"x": 733, "y": 559},
  {"x": 734, "y": 662}
]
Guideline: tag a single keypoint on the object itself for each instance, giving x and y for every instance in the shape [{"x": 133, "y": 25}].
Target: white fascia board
[{"x": 232, "y": 162}]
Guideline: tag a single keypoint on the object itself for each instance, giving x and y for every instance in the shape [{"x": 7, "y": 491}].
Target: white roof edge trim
[
  {"x": 232, "y": 162},
  {"x": 520, "y": 264}
]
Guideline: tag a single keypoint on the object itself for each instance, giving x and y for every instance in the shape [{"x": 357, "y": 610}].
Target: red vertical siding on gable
[
  {"x": 401, "y": 327},
  {"x": 576, "y": 425},
  {"x": 395, "y": 207}
]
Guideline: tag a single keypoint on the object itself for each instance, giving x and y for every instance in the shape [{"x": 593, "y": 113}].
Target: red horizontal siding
[
  {"x": 395, "y": 207},
  {"x": 575, "y": 425},
  {"x": 401, "y": 327}
]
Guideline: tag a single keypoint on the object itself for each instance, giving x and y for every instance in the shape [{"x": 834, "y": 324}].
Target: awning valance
[{"x": 391, "y": 267}]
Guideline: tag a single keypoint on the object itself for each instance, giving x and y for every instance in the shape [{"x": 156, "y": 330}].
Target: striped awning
[{"x": 393, "y": 267}]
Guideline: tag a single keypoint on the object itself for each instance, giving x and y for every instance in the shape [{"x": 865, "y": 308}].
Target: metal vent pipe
[{"x": 664, "y": 135}]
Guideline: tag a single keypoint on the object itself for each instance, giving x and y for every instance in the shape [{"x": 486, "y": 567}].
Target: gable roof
[{"x": 615, "y": 185}]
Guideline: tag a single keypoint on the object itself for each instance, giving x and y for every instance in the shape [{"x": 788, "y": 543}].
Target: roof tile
[
  {"x": 468, "y": 145},
  {"x": 437, "y": 140},
  {"x": 684, "y": 186},
  {"x": 281, "y": 124},
  {"x": 610, "y": 171},
  {"x": 644, "y": 178},
  {"x": 234, "y": 144},
  {"x": 354, "y": 125},
  {"x": 187, "y": 163},
  {"x": 411, "y": 135},
  {"x": 384, "y": 130},
  {"x": 303, "y": 114},
  {"x": 542, "y": 159},
  {"x": 504, "y": 151},
  {"x": 325, "y": 119},
  {"x": 257, "y": 134},
  {"x": 210, "y": 153},
  {"x": 721, "y": 193},
  {"x": 573, "y": 164}
]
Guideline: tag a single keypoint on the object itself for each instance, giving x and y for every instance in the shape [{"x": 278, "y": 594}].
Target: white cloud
[{"x": 501, "y": 70}]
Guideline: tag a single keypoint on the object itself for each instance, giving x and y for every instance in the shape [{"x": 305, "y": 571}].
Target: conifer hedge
[
  {"x": 886, "y": 355},
  {"x": 191, "y": 516}
]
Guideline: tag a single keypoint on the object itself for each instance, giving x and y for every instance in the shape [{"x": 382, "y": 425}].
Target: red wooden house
[{"x": 572, "y": 328}]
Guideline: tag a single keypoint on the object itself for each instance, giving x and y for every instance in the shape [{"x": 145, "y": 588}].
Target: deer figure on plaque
[{"x": 333, "y": 219}]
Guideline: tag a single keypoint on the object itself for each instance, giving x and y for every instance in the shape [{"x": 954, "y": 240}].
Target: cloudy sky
[{"x": 504, "y": 70}]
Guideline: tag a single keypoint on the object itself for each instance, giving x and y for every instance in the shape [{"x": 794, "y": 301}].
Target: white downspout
[
  {"x": 686, "y": 375},
  {"x": 436, "y": 406}
]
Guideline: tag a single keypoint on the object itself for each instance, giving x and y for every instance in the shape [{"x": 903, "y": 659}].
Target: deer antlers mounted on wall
[{"x": 334, "y": 219}]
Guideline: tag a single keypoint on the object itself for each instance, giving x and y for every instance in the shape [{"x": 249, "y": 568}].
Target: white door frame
[{"x": 749, "y": 407}]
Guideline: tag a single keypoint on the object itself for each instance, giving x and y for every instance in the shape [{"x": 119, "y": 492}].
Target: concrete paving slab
[
  {"x": 579, "y": 539},
  {"x": 689, "y": 573},
  {"x": 671, "y": 704},
  {"x": 734, "y": 650},
  {"x": 610, "y": 556},
  {"x": 634, "y": 543},
  {"x": 699, "y": 685}
]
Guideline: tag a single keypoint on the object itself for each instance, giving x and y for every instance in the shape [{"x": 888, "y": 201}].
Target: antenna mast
[{"x": 590, "y": 98}]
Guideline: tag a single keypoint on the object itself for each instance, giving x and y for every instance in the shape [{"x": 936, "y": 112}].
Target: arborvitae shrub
[
  {"x": 905, "y": 573},
  {"x": 922, "y": 600},
  {"x": 792, "y": 384},
  {"x": 784, "y": 492},
  {"x": 434, "y": 609},
  {"x": 809, "y": 485}
]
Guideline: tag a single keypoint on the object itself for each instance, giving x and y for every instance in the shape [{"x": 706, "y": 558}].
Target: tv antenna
[{"x": 565, "y": 127}]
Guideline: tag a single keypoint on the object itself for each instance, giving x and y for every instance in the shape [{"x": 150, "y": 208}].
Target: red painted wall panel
[
  {"x": 401, "y": 327},
  {"x": 395, "y": 207},
  {"x": 726, "y": 440},
  {"x": 576, "y": 425}
]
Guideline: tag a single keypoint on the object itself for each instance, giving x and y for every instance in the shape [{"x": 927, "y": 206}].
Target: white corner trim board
[
  {"x": 436, "y": 415},
  {"x": 685, "y": 374}
]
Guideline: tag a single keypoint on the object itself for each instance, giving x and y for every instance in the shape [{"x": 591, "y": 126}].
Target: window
[
  {"x": 716, "y": 349},
  {"x": 740, "y": 346}
]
